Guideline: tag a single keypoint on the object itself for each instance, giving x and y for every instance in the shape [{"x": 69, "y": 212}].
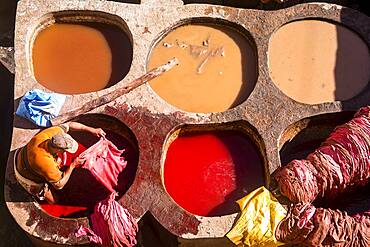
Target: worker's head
[{"x": 64, "y": 142}]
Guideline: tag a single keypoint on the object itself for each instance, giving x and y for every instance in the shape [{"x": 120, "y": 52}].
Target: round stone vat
[
  {"x": 83, "y": 191},
  {"x": 316, "y": 61},
  {"x": 303, "y": 137},
  {"x": 74, "y": 52},
  {"x": 218, "y": 65},
  {"x": 207, "y": 168}
]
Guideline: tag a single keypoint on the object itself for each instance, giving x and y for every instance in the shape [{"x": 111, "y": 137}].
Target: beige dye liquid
[
  {"x": 314, "y": 61},
  {"x": 80, "y": 58},
  {"x": 217, "y": 68}
]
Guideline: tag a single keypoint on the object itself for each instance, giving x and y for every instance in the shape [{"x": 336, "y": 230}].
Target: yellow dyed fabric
[{"x": 261, "y": 213}]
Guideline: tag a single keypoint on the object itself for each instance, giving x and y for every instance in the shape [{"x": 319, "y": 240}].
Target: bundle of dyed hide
[
  {"x": 104, "y": 161},
  {"x": 342, "y": 161},
  {"x": 112, "y": 225},
  {"x": 309, "y": 226}
]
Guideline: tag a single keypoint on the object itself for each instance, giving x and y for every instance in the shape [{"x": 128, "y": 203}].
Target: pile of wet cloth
[
  {"x": 341, "y": 163},
  {"x": 111, "y": 224}
]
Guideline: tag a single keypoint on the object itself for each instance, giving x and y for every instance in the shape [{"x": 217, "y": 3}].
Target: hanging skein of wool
[
  {"x": 310, "y": 226},
  {"x": 342, "y": 161}
]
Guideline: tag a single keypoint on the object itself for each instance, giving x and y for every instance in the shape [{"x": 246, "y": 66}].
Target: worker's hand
[
  {"x": 78, "y": 162},
  {"x": 99, "y": 132}
]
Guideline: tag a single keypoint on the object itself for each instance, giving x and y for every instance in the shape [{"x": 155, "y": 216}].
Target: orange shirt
[{"x": 39, "y": 157}]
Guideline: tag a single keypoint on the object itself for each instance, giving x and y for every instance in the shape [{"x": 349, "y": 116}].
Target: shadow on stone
[{"x": 10, "y": 233}]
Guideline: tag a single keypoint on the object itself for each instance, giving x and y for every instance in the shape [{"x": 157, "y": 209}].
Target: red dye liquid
[
  {"x": 205, "y": 173},
  {"x": 83, "y": 191}
]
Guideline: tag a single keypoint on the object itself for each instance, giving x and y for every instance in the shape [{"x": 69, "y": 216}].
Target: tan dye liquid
[
  {"x": 217, "y": 68},
  {"x": 314, "y": 61},
  {"x": 80, "y": 58}
]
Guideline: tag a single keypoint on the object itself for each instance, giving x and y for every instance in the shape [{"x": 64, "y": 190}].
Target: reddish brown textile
[
  {"x": 104, "y": 161},
  {"x": 306, "y": 225},
  {"x": 343, "y": 160}
]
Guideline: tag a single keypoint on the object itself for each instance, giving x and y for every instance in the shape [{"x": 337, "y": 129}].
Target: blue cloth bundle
[{"x": 40, "y": 107}]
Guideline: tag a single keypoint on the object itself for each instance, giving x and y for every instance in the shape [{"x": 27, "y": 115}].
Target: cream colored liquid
[
  {"x": 80, "y": 58},
  {"x": 314, "y": 61},
  {"x": 217, "y": 68}
]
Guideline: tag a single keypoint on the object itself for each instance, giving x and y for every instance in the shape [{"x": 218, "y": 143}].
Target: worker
[{"x": 38, "y": 165}]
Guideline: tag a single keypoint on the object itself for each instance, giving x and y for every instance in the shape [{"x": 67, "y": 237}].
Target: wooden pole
[{"x": 109, "y": 97}]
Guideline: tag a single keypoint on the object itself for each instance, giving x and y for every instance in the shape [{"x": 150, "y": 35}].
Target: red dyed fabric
[
  {"x": 342, "y": 161},
  {"x": 310, "y": 226},
  {"x": 112, "y": 225},
  {"x": 104, "y": 161}
]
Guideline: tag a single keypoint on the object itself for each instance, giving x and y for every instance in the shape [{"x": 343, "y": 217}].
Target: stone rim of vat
[
  {"x": 75, "y": 17},
  {"x": 352, "y": 29},
  {"x": 218, "y": 22},
  {"x": 149, "y": 118}
]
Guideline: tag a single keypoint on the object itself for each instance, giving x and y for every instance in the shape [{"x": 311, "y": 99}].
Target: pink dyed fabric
[
  {"x": 112, "y": 225},
  {"x": 104, "y": 161},
  {"x": 342, "y": 161}
]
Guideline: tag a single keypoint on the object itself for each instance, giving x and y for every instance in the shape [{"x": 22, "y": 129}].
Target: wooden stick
[{"x": 109, "y": 97}]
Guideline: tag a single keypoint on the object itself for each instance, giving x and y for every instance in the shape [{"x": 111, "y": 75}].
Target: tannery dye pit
[
  {"x": 217, "y": 68},
  {"x": 314, "y": 61},
  {"x": 83, "y": 191},
  {"x": 74, "y": 58},
  {"x": 206, "y": 172},
  {"x": 304, "y": 136}
]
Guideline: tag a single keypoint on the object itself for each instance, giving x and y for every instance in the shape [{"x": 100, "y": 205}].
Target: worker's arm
[
  {"x": 74, "y": 126},
  {"x": 67, "y": 174}
]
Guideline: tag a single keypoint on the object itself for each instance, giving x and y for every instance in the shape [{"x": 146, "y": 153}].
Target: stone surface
[
  {"x": 7, "y": 58},
  {"x": 267, "y": 110}
]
